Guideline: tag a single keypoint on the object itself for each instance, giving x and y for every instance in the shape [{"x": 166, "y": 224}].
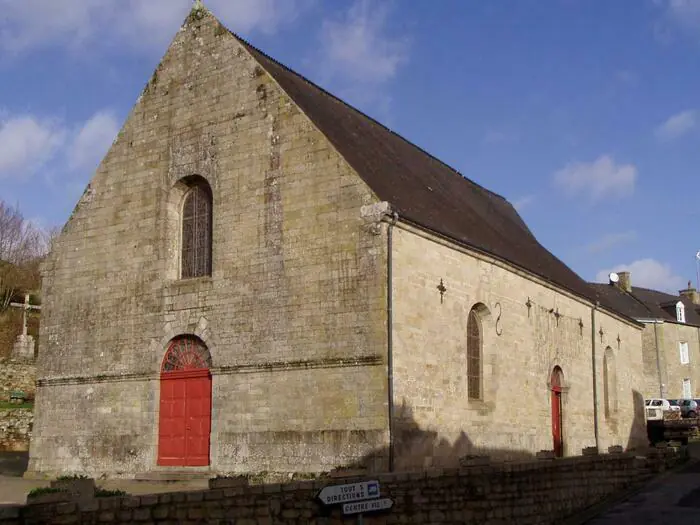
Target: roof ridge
[
  {"x": 655, "y": 291},
  {"x": 365, "y": 115},
  {"x": 631, "y": 294},
  {"x": 624, "y": 292}
]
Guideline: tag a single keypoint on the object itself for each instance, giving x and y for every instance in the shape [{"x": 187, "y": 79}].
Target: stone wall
[
  {"x": 15, "y": 429},
  {"x": 293, "y": 315},
  {"x": 527, "y": 328},
  {"x": 536, "y": 492},
  {"x": 670, "y": 337},
  {"x": 16, "y": 375}
]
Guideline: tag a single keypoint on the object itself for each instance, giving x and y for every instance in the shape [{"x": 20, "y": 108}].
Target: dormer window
[{"x": 680, "y": 312}]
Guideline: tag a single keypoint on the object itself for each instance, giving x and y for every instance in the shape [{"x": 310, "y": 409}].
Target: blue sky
[{"x": 583, "y": 113}]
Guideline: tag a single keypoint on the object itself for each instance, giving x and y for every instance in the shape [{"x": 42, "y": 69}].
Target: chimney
[
  {"x": 625, "y": 282},
  {"x": 691, "y": 293}
]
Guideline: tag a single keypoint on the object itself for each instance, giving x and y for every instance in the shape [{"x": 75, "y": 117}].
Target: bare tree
[{"x": 22, "y": 244}]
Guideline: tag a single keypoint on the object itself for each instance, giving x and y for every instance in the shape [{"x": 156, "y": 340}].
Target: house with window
[
  {"x": 260, "y": 277},
  {"x": 671, "y": 337}
]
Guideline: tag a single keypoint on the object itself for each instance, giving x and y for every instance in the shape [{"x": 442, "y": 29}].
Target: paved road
[
  {"x": 14, "y": 488},
  {"x": 672, "y": 499}
]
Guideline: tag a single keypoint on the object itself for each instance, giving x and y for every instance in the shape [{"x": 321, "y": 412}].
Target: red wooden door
[
  {"x": 185, "y": 418},
  {"x": 556, "y": 422}
]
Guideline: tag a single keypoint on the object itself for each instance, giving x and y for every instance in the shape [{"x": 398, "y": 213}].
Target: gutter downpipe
[
  {"x": 658, "y": 360},
  {"x": 595, "y": 379},
  {"x": 390, "y": 335}
]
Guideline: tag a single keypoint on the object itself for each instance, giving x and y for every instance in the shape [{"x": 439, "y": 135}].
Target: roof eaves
[{"x": 588, "y": 300}]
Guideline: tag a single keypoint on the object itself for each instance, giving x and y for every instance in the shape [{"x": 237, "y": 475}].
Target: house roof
[
  {"x": 420, "y": 188},
  {"x": 643, "y": 303}
]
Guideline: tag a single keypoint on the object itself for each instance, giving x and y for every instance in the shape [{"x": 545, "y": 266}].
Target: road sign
[
  {"x": 351, "y": 492},
  {"x": 367, "y": 506}
]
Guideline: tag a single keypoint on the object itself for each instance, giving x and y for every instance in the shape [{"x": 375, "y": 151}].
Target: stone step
[{"x": 173, "y": 476}]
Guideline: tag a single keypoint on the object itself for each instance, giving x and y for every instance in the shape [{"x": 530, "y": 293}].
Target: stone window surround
[
  {"x": 680, "y": 312},
  {"x": 480, "y": 313},
  {"x": 170, "y": 224},
  {"x": 684, "y": 352}
]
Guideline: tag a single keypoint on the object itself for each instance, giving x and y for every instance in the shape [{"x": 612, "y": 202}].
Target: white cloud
[
  {"x": 677, "y": 125},
  {"x": 30, "y": 23},
  {"x": 523, "y": 202},
  {"x": 599, "y": 180},
  {"x": 93, "y": 140},
  {"x": 648, "y": 273},
  {"x": 26, "y": 144},
  {"x": 500, "y": 137},
  {"x": 29, "y": 144},
  {"x": 612, "y": 239},
  {"x": 266, "y": 16},
  {"x": 684, "y": 11},
  {"x": 356, "y": 46},
  {"x": 357, "y": 55},
  {"x": 627, "y": 77},
  {"x": 144, "y": 25},
  {"x": 677, "y": 14}
]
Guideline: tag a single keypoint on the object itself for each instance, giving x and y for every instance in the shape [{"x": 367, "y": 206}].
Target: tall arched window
[
  {"x": 474, "y": 347},
  {"x": 196, "y": 230},
  {"x": 609, "y": 383}
]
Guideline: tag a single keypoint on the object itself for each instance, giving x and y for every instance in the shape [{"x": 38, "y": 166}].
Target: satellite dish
[{"x": 614, "y": 277}]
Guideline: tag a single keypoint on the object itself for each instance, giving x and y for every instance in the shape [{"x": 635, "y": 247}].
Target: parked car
[
  {"x": 655, "y": 408},
  {"x": 689, "y": 408}
]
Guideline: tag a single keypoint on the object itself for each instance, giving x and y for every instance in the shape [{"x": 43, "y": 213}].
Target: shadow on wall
[
  {"x": 415, "y": 447},
  {"x": 638, "y": 431}
]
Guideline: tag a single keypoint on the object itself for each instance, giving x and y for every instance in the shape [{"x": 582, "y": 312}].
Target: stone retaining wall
[
  {"x": 15, "y": 429},
  {"x": 16, "y": 375},
  {"x": 535, "y": 492}
]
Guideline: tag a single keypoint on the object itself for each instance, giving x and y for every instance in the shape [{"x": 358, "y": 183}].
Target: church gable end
[{"x": 291, "y": 278}]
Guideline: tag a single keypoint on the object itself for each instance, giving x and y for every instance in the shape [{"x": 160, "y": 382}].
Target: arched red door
[
  {"x": 185, "y": 404},
  {"x": 557, "y": 381}
]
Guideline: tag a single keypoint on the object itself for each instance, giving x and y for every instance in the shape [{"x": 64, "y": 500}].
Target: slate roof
[
  {"x": 644, "y": 303},
  {"x": 420, "y": 188}
]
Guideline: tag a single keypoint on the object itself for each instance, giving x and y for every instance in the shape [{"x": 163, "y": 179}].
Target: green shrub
[
  {"x": 71, "y": 477},
  {"x": 104, "y": 493},
  {"x": 6, "y": 405},
  {"x": 38, "y": 491}
]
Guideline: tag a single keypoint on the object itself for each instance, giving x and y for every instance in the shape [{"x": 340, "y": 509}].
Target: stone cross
[{"x": 26, "y": 307}]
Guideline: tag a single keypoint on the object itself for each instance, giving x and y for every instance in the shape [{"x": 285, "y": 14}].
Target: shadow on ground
[{"x": 13, "y": 463}]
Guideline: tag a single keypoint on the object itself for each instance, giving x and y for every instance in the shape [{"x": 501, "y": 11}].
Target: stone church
[{"x": 259, "y": 277}]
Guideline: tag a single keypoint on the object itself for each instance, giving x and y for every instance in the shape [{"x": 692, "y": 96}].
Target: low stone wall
[
  {"x": 15, "y": 429},
  {"x": 16, "y": 375},
  {"x": 536, "y": 492}
]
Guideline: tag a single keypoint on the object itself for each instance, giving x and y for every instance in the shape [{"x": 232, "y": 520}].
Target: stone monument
[{"x": 23, "y": 349}]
